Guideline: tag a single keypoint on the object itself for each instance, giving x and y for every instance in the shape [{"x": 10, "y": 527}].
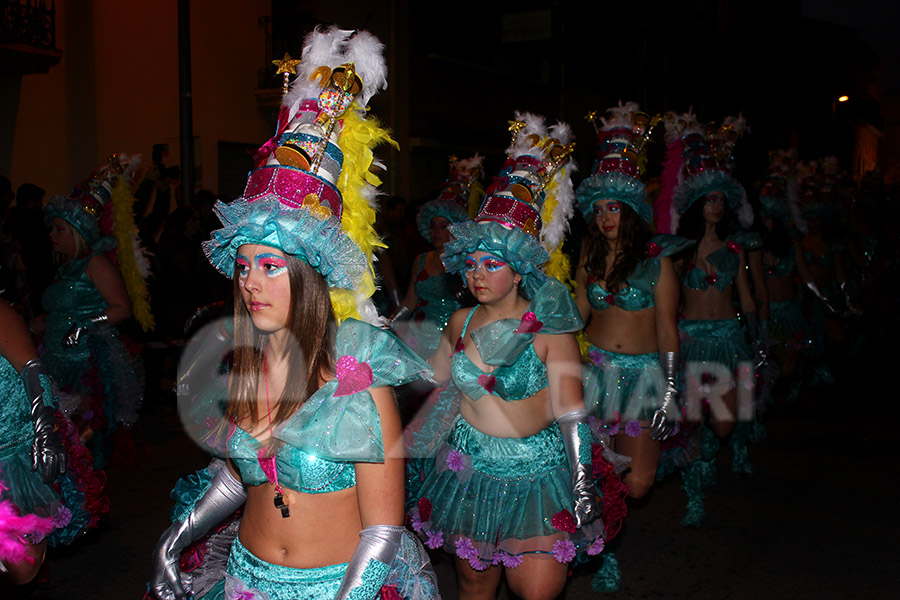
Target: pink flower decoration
[
  {"x": 509, "y": 561},
  {"x": 610, "y": 299},
  {"x": 465, "y": 549},
  {"x": 596, "y": 357},
  {"x": 613, "y": 428},
  {"x": 564, "y": 551},
  {"x": 416, "y": 523},
  {"x": 62, "y": 517},
  {"x": 353, "y": 377},
  {"x": 529, "y": 324},
  {"x": 435, "y": 539},
  {"x": 734, "y": 247},
  {"x": 477, "y": 564},
  {"x": 633, "y": 428},
  {"x": 459, "y": 345},
  {"x": 653, "y": 250},
  {"x": 597, "y": 547},
  {"x": 711, "y": 278},
  {"x": 389, "y": 592},
  {"x": 455, "y": 461},
  {"x": 564, "y": 521},
  {"x": 424, "y": 505},
  {"x": 487, "y": 382}
]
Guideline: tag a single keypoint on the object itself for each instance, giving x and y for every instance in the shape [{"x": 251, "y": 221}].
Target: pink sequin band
[
  {"x": 507, "y": 210},
  {"x": 290, "y": 186}
]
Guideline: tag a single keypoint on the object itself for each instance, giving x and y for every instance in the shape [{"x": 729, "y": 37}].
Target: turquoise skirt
[
  {"x": 622, "y": 387},
  {"x": 490, "y": 500},
  {"x": 721, "y": 341},
  {"x": 789, "y": 327}
]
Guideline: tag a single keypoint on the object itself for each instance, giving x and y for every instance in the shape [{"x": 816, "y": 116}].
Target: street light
[{"x": 843, "y": 98}]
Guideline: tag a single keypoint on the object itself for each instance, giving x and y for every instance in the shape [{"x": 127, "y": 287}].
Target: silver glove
[
  {"x": 576, "y": 437},
  {"x": 852, "y": 309},
  {"x": 669, "y": 412},
  {"x": 400, "y": 314},
  {"x": 46, "y": 450},
  {"x": 378, "y": 546},
  {"x": 759, "y": 337},
  {"x": 77, "y": 331},
  {"x": 224, "y": 496},
  {"x": 812, "y": 287}
]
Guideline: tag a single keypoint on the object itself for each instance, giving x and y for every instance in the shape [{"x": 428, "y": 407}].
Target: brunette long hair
[
  {"x": 310, "y": 350},
  {"x": 633, "y": 237},
  {"x": 692, "y": 225}
]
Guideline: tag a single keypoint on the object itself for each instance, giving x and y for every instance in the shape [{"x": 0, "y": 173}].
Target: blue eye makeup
[
  {"x": 488, "y": 263},
  {"x": 242, "y": 265}
]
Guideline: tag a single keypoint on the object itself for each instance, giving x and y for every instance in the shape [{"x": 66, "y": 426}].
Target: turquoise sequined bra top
[
  {"x": 337, "y": 426},
  {"x": 638, "y": 295},
  {"x": 783, "y": 265},
  {"x": 508, "y": 345},
  {"x": 726, "y": 260}
]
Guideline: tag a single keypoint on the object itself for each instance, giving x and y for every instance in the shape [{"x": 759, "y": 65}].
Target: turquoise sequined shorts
[
  {"x": 489, "y": 500},
  {"x": 411, "y": 576},
  {"x": 628, "y": 384}
]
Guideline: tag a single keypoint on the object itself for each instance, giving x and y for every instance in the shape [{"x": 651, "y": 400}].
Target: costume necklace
[{"x": 267, "y": 462}]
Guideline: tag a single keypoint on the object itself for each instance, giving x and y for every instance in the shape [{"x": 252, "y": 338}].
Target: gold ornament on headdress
[
  {"x": 515, "y": 127},
  {"x": 286, "y": 66},
  {"x": 592, "y": 118}
]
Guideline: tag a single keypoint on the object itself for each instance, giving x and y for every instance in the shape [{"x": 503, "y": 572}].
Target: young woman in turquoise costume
[
  {"x": 43, "y": 497},
  {"x": 432, "y": 294},
  {"x": 784, "y": 262},
  {"x": 502, "y": 469},
  {"x": 308, "y": 424},
  {"x": 710, "y": 208},
  {"x": 87, "y": 301},
  {"x": 627, "y": 292}
]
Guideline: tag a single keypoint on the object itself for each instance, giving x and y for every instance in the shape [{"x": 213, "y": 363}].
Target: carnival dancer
[
  {"x": 505, "y": 477},
  {"x": 43, "y": 497},
  {"x": 627, "y": 293},
  {"x": 308, "y": 423},
  {"x": 86, "y": 302},
  {"x": 710, "y": 208},
  {"x": 783, "y": 228},
  {"x": 432, "y": 295}
]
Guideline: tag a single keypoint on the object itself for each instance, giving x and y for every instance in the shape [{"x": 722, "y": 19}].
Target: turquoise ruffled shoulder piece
[
  {"x": 340, "y": 421},
  {"x": 748, "y": 240},
  {"x": 552, "y": 311},
  {"x": 520, "y": 250},
  {"x": 666, "y": 244}
]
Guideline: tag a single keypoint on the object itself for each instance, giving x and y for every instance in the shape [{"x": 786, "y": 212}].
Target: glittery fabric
[
  {"x": 726, "y": 260},
  {"x": 708, "y": 181},
  {"x": 296, "y": 469},
  {"x": 442, "y": 207},
  {"x": 500, "y": 494},
  {"x": 788, "y": 325},
  {"x": 99, "y": 368},
  {"x": 714, "y": 340},
  {"x": 522, "y": 251},
  {"x": 639, "y": 293},
  {"x": 24, "y": 486},
  {"x": 613, "y": 186},
  {"x": 522, "y": 379},
  {"x": 372, "y": 578},
  {"x": 628, "y": 384},
  {"x": 436, "y": 302},
  {"x": 319, "y": 242},
  {"x": 410, "y": 575}
]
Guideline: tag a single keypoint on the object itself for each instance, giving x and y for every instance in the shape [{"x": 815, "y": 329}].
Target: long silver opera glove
[
  {"x": 812, "y": 287},
  {"x": 77, "y": 331},
  {"x": 46, "y": 450},
  {"x": 224, "y": 496},
  {"x": 371, "y": 561},
  {"x": 669, "y": 412},
  {"x": 576, "y": 437}
]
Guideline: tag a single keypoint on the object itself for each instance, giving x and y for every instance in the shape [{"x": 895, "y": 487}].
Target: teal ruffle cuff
[
  {"x": 523, "y": 252},
  {"x": 321, "y": 243},
  {"x": 614, "y": 186},
  {"x": 552, "y": 311}
]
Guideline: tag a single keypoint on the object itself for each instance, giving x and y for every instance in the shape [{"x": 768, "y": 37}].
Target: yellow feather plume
[{"x": 125, "y": 233}]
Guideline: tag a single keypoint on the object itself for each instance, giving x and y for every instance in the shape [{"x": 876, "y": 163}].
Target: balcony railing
[{"x": 29, "y": 22}]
